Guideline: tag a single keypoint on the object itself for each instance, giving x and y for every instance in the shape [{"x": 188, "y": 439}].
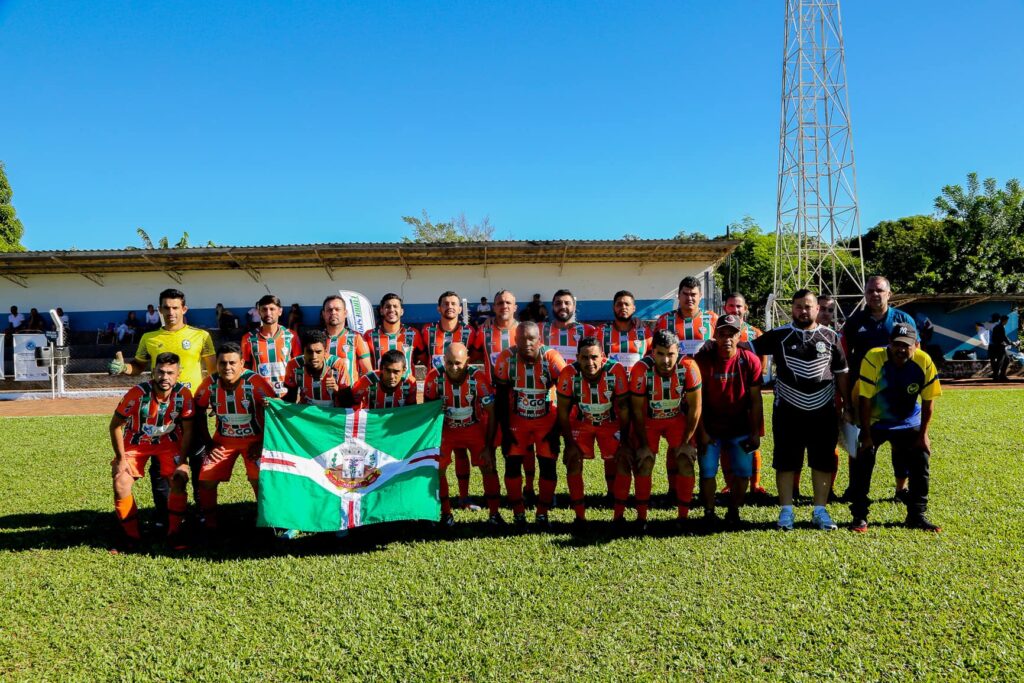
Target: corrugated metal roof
[{"x": 94, "y": 263}]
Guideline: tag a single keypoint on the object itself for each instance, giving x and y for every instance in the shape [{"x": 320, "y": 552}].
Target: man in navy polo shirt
[{"x": 868, "y": 328}]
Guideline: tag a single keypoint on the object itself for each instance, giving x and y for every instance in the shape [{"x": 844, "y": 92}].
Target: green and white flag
[{"x": 325, "y": 469}]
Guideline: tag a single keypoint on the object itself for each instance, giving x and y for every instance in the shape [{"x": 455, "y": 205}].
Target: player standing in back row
[
  {"x": 268, "y": 349},
  {"x": 391, "y": 333},
  {"x": 343, "y": 342}
]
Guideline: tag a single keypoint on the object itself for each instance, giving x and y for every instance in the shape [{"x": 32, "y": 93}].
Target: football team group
[{"x": 544, "y": 391}]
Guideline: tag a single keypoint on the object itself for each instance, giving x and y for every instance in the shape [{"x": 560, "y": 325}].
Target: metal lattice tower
[{"x": 817, "y": 222}]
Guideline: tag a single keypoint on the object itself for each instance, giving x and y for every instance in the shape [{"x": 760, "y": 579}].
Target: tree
[
  {"x": 164, "y": 243},
  {"x": 908, "y": 251},
  {"x": 457, "y": 229},
  {"x": 11, "y": 228},
  {"x": 751, "y": 267}
]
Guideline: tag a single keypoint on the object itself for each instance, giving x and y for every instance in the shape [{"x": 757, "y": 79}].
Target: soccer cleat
[
  {"x": 823, "y": 521},
  {"x": 921, "y": 522},
  {"x": 496, "y": 520},
  {"x": 341, "y": 533},
  {"x": 902, "y": 495},
  {"x": 640, "y": 527},
  {"x": 286, "y": 534},
  {"x": 785, "y": 519},
  {"x": 859, "y": 525},
  {"x": 759, "y": 490},
  {"x": 732, "y": 518},
  {"x": 467, "y": 504},
  {"x": 447, "y": 521},
  {"x": 177, "y": 541},
  {"x": 579, "y": 526},
  {"x": 519, "y": 519},
  {"x": 541, "y": 520},
  {"x": 620, "y": 526}
]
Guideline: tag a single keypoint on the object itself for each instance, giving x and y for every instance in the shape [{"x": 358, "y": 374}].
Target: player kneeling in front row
[
  {"x": 731, "y": 415},
  {"x": 236, "y": 397},
  {"x": 387, "y": 387},
  {"x": 467, "y": 397},
  {"x": 314, "y": 377},
  {"x": 891, "y": 379},
  {"x": 661, "y": 384},
  {"x": 593, "y": 405},
  {"x": 153, "y": 420}
]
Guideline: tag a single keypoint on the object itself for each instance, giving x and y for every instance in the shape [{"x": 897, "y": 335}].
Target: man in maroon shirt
[{"x": 732, "y": 421}]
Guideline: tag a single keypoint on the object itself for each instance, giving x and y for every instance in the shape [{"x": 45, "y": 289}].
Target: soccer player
[
  {"x": 390, "y": 386},
  {"x": 314, "y": 377},
  {"x": 434, "y": 338},
  {"x": 194, "y": 348},
  {"x": 153, "y": 420},
  {"x": 593, "y": 405},
  {"x": 866, "y": 329},
  {"x": 625, "y": 340},
  {"x": 343, "y": 342},
  {"x": 467, "y": 396},
  {"x": 563, "y": 333},
  {"x": 891, "y": 381},
  {"x": 391, "y": 333},
  {"x": 811, "y": 391},
  {"x": 736, "y": 304},
  {"x": 732, "y": 417},
  {"x": 236, "y": 397},
  {"x": 498, "y": 333},
  {"x": 524, "y": 376},
  {"x": 692, "y": 326},
  {"x": 267, "y": 350},
  {"x": 666, "y": 403}
]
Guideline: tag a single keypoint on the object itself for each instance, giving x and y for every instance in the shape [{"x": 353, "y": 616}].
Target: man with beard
[
  {"x": 811, "y": 390},
  {"x": 467, "y": 397},
  {"x": 666, "y": 403},
  {"x": 343, "y": 342},
  {"x": 268, "y": 349},
  {"x": 313, "y": 378},
  {"x": 390, "y": 386},
  {"x": 391, "y": 333},
  {"x": 563, "y": 333},
  {"x": 593, "y": 405},
  {"x": 524, "y": 376},
  {"x": 625, "y": 340},
  {"x": 153, "y": 420},
  {"x": 237, "y": 398}
]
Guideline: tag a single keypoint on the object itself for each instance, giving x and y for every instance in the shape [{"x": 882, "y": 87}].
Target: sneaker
[
  {"x": 467, "y": 504},
  {"x": 785, "y": 519},
  {"x": 921, "y": 522},
  {"x": 726, "y": 490},
  {"x": 732, "y": 518},
  {"x": 447, "y": 521},
  {"x": 823, "y": 521},
  {"x": 519, "y": 519},
  {"x": 859, "y": 525},
  {"x": 286, "y": 534},
  {"x": 759, "y": 491},
  {"x": 496, "y": 520},
  {"x": 902, "y": 495},
  {"x": 541, "y": 520}
]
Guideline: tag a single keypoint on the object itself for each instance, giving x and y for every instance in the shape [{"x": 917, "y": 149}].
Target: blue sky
[{"x": 268, "y": 123}]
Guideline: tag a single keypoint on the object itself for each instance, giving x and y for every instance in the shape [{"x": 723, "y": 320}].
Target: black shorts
[{"x": 795, "y": 430}]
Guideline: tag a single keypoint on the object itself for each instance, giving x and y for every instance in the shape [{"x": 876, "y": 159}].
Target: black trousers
[
  {"x": 999, "y": 362},
  {"x": 903, "y": 449}
]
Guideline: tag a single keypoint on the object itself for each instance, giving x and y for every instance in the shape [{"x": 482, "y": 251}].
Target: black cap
[
  {"x": 729, "y": 320},
  {"x": 904, "y": 332}
]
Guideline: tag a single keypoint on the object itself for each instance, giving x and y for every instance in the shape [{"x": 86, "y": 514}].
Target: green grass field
[{"x": 891, "y": 605}]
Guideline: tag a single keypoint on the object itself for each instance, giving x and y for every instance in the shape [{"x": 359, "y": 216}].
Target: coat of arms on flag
[{"x": 325, "y": 469}]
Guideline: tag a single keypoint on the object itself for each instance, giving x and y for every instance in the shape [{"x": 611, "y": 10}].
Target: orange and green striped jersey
[
  {"x": 463, "y": 402},
  {"x": 150, "y": 421},
  {"x": 368, "y": 392},
  {"x": 664, "y": 395},
  {"x": 594, "y": 400},
  {"x": 492, "y": 340},
  {"x": 434, "y": 339},
  {"x": 532, "y": 385},
  {"x": 310, "y": 389},
  {"x": 625, "y": 347},
  {"x": 269, "y": 356},
  {"x": 350, "y": 346},
  {"x": 692, "y": 332},
  {"x": 565, "y": 338},
  {"x": 238, "y": 410},
  {"x": 380, "y": 342}
]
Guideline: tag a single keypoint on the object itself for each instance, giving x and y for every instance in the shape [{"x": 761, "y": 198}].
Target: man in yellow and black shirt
[
  {"x": 892, "y": 378},
  {"x": 194, "y": 347}
]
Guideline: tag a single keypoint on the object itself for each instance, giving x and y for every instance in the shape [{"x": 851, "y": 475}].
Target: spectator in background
[
  {"x": 295, "y": 318},
  {"x": 34, "y": 323},
  {"x": 65, "y": 321},
  {"x": 15, "y": 320},
  {"x": 535, "y": 311},
  {"x": 152, "y": 319},
  {"x": 998, "y": 343},
  {"x": 484, "y": 312},
  {"x": 227, "y": 322},
  {"x": 129, "y": 326},
  {"x": 254, "y": 319}
]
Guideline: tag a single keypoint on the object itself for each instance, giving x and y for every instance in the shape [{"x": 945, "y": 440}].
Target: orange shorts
[
  {"x": 532, "y": 433},
  {"x": 472, "y": 438},
  {"x": 137, "y": 456},
  {"x": 218, "y": 463},
  {"x": 607, "y": 437},
  {"x": 672, "y": 430}
]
